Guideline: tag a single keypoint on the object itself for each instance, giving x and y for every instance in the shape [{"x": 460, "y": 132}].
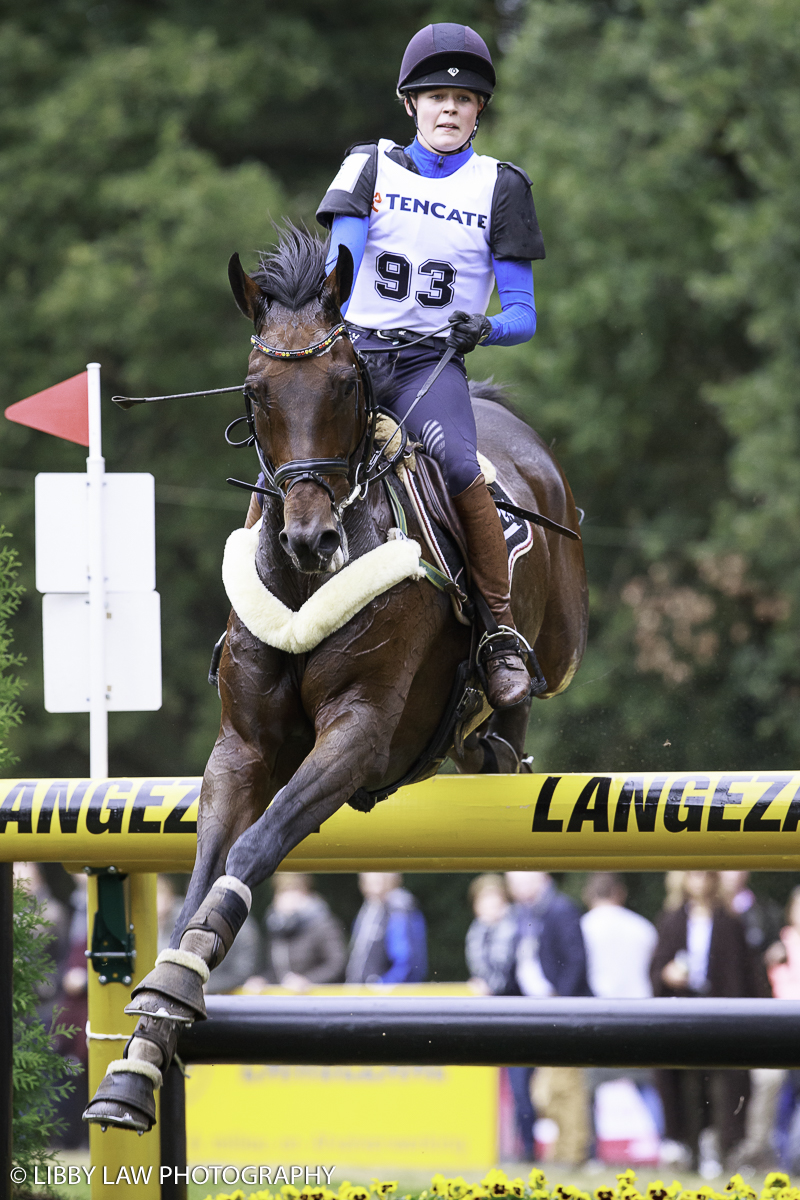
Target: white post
[{"x": 95, "y": 473}]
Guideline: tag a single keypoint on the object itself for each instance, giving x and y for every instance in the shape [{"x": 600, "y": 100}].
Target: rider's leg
[
  {"x": 445, "y": 423},
  {"x": 507, "y": 678}
]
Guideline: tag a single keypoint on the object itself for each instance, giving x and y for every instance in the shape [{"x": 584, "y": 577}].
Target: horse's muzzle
[{"x": 314, "y": 551}]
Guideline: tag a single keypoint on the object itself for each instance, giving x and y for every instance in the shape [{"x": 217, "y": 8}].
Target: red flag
[{"x": 62, "y": 410}]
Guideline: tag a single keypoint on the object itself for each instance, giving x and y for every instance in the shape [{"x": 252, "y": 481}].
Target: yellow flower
[
  {"x": 289, "y": 1192},
  {"x": 516, "y": 1187},
  {"x": 382, "y": 1188},
  {"x": 496, "y": 1182},
  {"x": 358, "y": 1192},
  {"x": 476, "y": 1191},
  {"x": 540, "y": 1194},
  {"x": 565, "y": 1191},
  {"x": 439, "y": 1185},
  {"x": 457, "y": 1188},
  {"x": 777, "y": 1179},
  {"x": 605, "y": 1193},
  {"x": 264, "y": 1194},
  {"x": 537, "y": 1180},
  {"x": 626, "y": 1178},
  {"x": 657, "y": 1190}
]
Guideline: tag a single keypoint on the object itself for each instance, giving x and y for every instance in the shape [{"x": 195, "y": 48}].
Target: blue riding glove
[{"x": 468, "y": 331}]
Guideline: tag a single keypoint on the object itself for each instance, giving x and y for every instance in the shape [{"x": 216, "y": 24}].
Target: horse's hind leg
[
  {"x": 497, "y": 747},
  {"x": 503, "y": 741}
]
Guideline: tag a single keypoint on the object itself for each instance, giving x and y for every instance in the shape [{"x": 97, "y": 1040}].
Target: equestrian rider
[{"x": 431, "y": 228}]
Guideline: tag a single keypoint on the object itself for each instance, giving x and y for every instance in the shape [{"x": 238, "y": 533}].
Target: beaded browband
[{"x": 305, "y": 351}]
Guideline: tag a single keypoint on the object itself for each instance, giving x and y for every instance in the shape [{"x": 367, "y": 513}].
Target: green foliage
[
  {"x": 662, "y": 144},
  {"x": 140, "y": 148},
  {"x": 10, "y": 684},
  {"x": 41, "y": 1074}
]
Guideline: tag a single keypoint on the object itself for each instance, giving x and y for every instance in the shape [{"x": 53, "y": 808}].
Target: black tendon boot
[{"x": 170, "y": 996}]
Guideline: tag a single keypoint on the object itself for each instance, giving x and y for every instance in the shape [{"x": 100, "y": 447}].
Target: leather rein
[{"x": 280, "y": 480}]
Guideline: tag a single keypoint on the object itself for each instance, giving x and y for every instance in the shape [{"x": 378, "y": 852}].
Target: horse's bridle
[{"x": 280, "y": 480}]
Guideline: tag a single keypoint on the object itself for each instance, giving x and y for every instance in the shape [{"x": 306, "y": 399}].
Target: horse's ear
[
  {"x": 246, "y": 292},
  {"x": 339, "y": 283}
]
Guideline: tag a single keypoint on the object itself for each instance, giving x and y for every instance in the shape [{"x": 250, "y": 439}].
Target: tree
[
  {"x": 661, "y": 143},
  {"x": 140, "y": 145}
]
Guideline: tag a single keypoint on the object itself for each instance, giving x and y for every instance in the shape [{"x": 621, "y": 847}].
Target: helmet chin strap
[{"x": 459, "y": 149}]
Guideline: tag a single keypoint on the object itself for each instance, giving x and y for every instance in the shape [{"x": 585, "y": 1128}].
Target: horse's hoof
[
  {"x": 124, "y": 1100},
  {"x": 171, "y": 986},
  {"x": 162, "y": 1008}
]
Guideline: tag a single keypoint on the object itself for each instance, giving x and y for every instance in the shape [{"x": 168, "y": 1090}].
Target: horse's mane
[{"x": 294, "y": 272}]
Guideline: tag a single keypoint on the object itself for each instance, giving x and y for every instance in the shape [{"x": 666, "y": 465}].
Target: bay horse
[{"x": 303, "y": 732}]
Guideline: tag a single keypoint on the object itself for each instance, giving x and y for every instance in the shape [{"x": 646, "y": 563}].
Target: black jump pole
[
  {"x": 6, "y": 1027},
  {"x": 495, "y": 1031},
  {"x": 172, "y": 1123}
]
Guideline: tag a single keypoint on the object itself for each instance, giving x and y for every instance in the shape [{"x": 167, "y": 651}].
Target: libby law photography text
[{"x": 58, "y": 1174}]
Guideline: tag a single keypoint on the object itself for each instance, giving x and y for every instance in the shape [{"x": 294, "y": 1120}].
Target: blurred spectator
[
  {"x": 619, "y": 946},
  {"x": 239, "y": 964},
  {"x": 762, "y": 921},
  {"x": 782, "y": 961},
  {"x": 619, "y": 943},
  {"x": 389, "y": 942},
  {"x": 550, "y": 954},
  {"x": 702, "y": 951},
  {"x": 783, "y": 956},
  {"x": 673, "y": 890},
  {"x": 168, "y": 906},
  {"x": 71, "y": 1007},
  {"x": 491, "y": 938},
  {"x": 306, "y": 943},
  {"x": 549, "y": 960}
]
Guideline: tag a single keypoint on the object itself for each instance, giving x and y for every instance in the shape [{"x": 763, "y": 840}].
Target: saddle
[
  {"x": 425, "y": 491},
  {"x": 446, "y": 565}
]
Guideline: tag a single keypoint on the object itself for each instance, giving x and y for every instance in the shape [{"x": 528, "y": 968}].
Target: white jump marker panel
[
  {"x": 62, "y": 539},
  {"x": 132, "y": 651}
]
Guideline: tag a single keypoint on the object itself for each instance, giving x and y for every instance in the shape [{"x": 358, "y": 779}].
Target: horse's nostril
[
  {"x": 283, "y": 538},
  {"x": 328, "y": 543}
]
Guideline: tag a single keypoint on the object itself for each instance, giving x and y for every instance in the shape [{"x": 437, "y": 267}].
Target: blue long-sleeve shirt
[{"x": 517, "y": 321}]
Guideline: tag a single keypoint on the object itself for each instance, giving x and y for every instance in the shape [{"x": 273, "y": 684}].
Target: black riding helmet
[{"x": 447, "y": 55}]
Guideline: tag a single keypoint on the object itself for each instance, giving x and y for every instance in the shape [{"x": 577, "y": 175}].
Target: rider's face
[{"x": 446, "y": 117}]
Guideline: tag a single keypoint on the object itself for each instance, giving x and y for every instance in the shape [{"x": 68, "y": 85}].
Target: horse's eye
[{"x": 349, "y": 387}]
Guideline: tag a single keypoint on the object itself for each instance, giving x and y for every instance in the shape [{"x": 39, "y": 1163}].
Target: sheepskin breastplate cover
[{"x": 331, "y": 607}]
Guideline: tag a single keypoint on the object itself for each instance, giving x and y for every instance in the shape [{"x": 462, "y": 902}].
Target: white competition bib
[{"x": 427, "y": 251}]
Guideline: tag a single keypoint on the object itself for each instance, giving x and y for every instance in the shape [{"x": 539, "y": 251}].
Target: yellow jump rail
[{"x": 633, "y": 822}]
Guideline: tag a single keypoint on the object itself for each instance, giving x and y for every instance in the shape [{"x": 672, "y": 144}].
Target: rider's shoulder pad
[
  {"x": 515, "y": 231},
  {"x": 351, "y": 192}
]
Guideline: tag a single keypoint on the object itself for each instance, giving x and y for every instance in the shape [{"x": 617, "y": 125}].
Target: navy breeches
[{"x": 443, "y": 420}]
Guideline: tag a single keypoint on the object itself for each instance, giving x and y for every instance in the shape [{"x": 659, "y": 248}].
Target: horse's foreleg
[
  {"x": 244, "y": 770},
  {"x": 352, "y": 752}
]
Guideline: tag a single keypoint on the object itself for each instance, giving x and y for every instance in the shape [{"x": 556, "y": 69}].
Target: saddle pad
[{"x": 518, "y": 533}]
